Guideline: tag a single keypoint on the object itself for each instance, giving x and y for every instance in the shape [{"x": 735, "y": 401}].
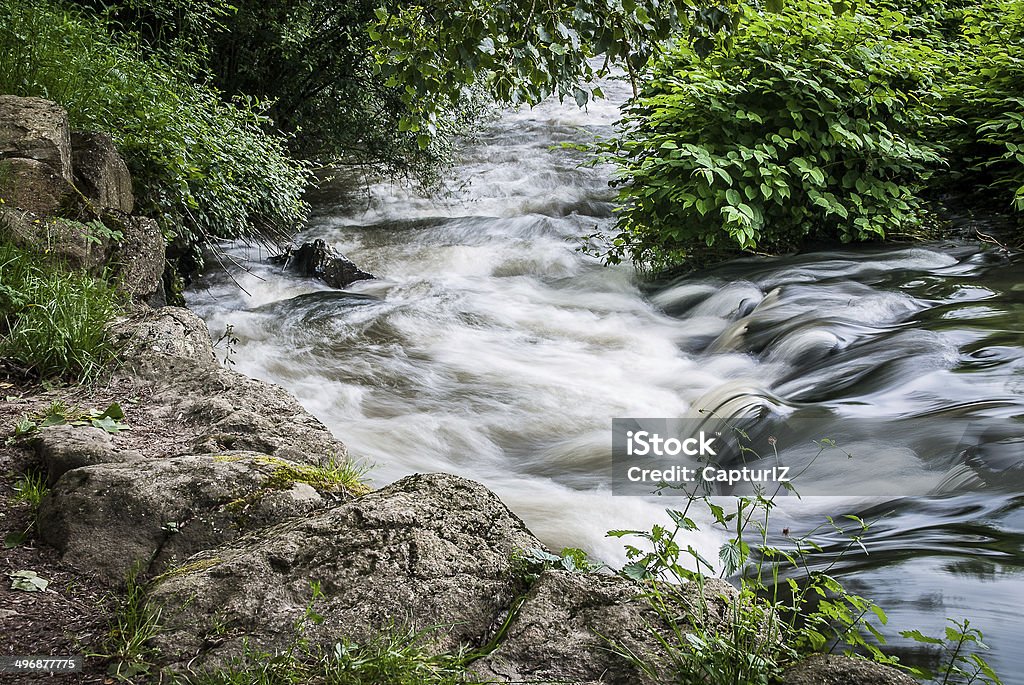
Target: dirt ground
[{"x": 72, "y": 617}]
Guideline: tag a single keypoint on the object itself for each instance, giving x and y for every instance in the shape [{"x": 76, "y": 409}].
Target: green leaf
[
  {"x": 14, "y": 539},
  {"x": 109, "y": 425},
  {"x": 918, "y": 636},
  {"x": 27, "y": 581},
  {"x": 113, "y": 411},
  {"x": 635, "y": 571}
]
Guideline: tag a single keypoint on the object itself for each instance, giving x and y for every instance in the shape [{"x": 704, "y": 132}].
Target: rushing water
[{"x": 491, "y": 348}]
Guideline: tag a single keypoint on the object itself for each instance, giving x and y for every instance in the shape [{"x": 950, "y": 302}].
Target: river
[{"x": 492, "y": 348}]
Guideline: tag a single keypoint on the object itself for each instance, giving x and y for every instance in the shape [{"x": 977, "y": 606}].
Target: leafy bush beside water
[
  {"x": 985, "y": 96},
  {"x": 805, "y": 124},
  {"x": 816, "y": 123}
]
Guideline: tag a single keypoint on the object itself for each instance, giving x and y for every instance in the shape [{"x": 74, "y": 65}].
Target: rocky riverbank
[{"x": 240, "y": 511}]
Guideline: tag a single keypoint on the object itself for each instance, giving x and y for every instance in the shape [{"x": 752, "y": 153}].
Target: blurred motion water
[{"x": 492, "y": 348}]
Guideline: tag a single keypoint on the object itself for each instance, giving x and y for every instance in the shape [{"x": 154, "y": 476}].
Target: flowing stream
[{"x": 490, "y": 347}]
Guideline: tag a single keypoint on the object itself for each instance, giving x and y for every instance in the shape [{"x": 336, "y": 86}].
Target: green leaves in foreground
[
  {"x": 959, "y": 658},
  {"x": 806, "y": 125}
]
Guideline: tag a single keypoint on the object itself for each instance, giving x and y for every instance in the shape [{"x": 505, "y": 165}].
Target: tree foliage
[
  {"x": 985, "y": 99},
  {"x": 806, "y": 122},
  {"x": 523, "y": 51}
]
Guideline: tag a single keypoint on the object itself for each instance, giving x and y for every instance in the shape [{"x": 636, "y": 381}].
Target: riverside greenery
[
  {"x": 814, "y": 123},
  {"x": 206, "y": 167},
  {"x": 755, "y": 126},
  {"x": 53, "y": 321}
]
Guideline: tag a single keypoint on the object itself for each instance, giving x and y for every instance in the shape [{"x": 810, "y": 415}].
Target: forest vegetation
[{"x": 754, "y": 125}]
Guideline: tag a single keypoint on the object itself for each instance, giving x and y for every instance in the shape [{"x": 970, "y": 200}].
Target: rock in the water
[
  {"x": 63, "y": 448},
  {"x": 33, "y": 128},
  {"x": 100, "y": 172},
  {"x": 319, "y": 260},
  {"x": 37, "y": 187},
  {"x": 427, "y": 551},
  {"x": 569, "y": 621},
  {"x": 157, "y": 512},
  {"x": 825, "y": 669}
]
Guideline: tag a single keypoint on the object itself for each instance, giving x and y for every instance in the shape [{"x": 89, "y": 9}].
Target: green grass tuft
[
  {"x": 339, "y": 474},
  {"x": 52, "y": 321},
  {"x": 135, "y": 622},
  {"x": 30, "y": 489},
  {"x": 394, "y": 657}
]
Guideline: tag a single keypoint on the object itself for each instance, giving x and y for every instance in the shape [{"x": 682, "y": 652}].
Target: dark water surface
[{"x": 491, "y": 348}]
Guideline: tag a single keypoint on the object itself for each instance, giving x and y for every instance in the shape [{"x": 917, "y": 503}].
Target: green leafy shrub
[
  {"x": 804, "y": 125},
  {"x": 985, "y": 97},
  {"x": 53, "y": 322},
  {"x": 204, "y": 167}
]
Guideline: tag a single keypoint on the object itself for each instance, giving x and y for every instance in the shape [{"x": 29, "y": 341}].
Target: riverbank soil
[{"x": 73, "y": 615}]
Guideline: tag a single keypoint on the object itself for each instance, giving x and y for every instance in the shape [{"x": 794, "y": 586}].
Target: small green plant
[
  {"x": 29, "y": 490},
  {"x": 784, "y": 610},
  {"x": 338, "y": 474},
  {"x": 961, "y": 662},
  {"x": 229, "y": 341},
  {"x": 531, "y": 562},
  {"x": 97, "y": 233},
  {"x": 136, "y": 621},
  {"x": 58, "y": 413}
]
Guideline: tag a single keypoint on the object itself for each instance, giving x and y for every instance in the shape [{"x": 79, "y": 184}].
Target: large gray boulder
[
  {"x": 105, "y": 518},
  {"x": 430, "y": 552},
  {"x": 170, "y": 349},
  {"x": 140, "y": 257},
  {"x": 100, "y": 172},
  {"x": 63, "y": 448},
  {"x": 571, "y": 625},
  {"x": 56, "y": 239},
  {"x": 37, "y": 129},
  {"x": 162, "y": 344},
  {"x": 37, "y": 187},
  {"x": 830, "y": 669}
]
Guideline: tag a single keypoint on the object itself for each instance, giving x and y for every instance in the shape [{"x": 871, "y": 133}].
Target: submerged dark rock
[{"x": 321, "y": 261}]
